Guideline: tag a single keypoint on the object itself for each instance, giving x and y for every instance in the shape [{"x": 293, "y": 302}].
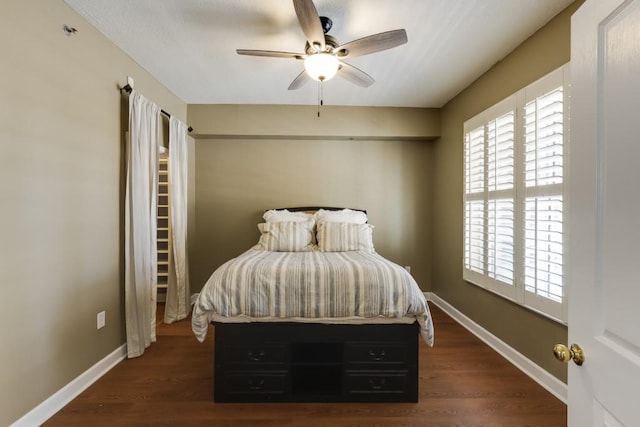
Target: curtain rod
[{"x": 127, "y": 88}]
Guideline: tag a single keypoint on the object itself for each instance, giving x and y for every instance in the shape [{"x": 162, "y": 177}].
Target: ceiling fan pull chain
[{"x": 319, "y": 97}]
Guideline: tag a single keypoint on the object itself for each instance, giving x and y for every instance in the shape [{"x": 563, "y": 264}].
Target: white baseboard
[
  {"x": 539, "y": 375},
  {"x": 66, "y": 394}
]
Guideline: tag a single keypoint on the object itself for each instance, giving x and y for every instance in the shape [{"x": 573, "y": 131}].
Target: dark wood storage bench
[{"x": 310, "y": 362}]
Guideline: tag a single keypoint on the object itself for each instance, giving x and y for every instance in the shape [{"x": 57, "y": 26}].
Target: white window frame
[{"x": 516, "y": 291}]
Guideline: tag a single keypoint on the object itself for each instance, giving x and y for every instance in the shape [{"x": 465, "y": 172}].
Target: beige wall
[
  {"x": 238, "y": 177},
  {"x": 61, "y": 133},
  {"x": 529, "y": 333}
]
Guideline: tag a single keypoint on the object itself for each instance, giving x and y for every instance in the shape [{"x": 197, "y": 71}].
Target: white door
[{"x": 604, "y": 214}]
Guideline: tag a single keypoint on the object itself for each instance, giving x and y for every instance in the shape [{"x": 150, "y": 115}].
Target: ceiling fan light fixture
[{"x": 321, "y": 66}]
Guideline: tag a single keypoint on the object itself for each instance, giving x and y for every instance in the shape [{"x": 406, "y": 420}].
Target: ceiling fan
[{"x": 323, "y": 54}]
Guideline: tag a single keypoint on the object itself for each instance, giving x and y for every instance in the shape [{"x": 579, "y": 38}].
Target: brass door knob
[{"x": 564, "y": 354}]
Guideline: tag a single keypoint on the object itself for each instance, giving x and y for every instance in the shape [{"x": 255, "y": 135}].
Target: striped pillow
[
  {"x": 344, "y": 215},
  {"x": 340, "y": 237},
  {"x": 286, "y": 236}
]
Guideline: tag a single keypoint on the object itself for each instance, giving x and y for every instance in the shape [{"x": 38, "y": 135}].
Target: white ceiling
[{"x": 189, "y": 45}]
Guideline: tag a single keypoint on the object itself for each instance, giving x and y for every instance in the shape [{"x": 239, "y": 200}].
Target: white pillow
[
  {"x": 286, "y": 236},
  {"x": 341, "y": 237},
  {"x": 345, "y": 216},
  {"x": 284, "y": 215}
]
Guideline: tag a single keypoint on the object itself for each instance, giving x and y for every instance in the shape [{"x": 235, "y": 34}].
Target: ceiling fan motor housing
[{"x": 326, "y": 24}]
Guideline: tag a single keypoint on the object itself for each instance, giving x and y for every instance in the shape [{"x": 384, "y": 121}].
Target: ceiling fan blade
[
  {"x": 310, "y": 22},
  {"x": 371, "y": 44},
  {"x": 355, "y": 75},
  {"x": 271, "y": 53},
  {"x": 302, "y": 79}
]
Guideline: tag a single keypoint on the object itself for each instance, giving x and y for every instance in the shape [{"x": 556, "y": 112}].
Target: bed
[{"x": 313, "y": 313}]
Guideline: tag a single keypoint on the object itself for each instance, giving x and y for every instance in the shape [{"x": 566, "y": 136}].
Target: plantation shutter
[
  {"x": 500, "y": 209},
  {"x": 489, "y": 198},
  {"x": 543, "y": 206},
  {"x": 474, "y": 203}
]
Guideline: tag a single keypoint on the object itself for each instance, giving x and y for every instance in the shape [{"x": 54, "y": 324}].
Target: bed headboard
[{"x": 316, "y": 208}]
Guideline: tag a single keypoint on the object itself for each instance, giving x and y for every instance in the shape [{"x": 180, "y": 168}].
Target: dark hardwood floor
[{"x": 463, "y": 382}]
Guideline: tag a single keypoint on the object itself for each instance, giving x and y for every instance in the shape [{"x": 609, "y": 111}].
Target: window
[{"x": 513, "y": 196}]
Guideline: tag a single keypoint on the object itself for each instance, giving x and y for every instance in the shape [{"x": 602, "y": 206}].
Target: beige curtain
[
  {"x": 141, "y": 277},
  {"x": 178, "y": 305}
]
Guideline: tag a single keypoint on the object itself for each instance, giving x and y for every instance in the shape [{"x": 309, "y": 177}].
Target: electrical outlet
[
  {"x": 101, "y": 320},
  {"x": 408, "y": 268}
]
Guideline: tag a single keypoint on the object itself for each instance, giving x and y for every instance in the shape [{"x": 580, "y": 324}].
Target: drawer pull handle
[
  {"x": 255, "y": 356},
  {"x": 255, "y": 384},
  {"x": 379, "y": 385},
  {"x": 377, "y": 356}
]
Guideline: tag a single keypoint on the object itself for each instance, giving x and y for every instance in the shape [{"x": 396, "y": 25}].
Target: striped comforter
[{"x": 331, "y": 287}]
